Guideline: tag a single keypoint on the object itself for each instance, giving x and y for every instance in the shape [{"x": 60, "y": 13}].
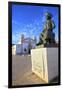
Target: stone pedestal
[{"x": 45, "y": 63}]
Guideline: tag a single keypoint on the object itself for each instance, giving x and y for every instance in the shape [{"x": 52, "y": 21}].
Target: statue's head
[{"x": 48, "y": 16}]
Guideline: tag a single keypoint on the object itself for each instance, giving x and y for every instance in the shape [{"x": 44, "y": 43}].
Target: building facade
[{"x": 24, "y": 46}]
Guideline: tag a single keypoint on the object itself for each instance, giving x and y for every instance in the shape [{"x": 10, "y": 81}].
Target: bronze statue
[{"x": 47, "y": 36}]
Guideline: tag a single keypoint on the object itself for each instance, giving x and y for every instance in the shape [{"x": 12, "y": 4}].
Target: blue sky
[{"x": 29, "y": 20}]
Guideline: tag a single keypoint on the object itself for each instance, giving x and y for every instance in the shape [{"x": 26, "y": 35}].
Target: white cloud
[
  {"x": 28, "y": 30},
  {"x": 16, "y": 23}
]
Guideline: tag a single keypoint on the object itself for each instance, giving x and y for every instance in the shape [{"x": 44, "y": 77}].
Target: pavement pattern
[{"x": 21, "y": 71}]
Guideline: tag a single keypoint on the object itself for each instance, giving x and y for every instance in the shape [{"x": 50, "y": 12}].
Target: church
[{"x": 24, "y": 46}]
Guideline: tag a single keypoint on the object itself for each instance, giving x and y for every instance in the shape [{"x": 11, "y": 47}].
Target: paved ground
[{"x": 21, "y": 71}]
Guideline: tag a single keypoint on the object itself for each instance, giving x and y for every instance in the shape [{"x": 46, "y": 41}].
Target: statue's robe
[{"x": 49, "y": 26}]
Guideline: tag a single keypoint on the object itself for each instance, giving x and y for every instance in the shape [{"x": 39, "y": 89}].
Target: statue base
[
  {"x": 47, "y": 45},
  {"x": 45, "y": 63}
]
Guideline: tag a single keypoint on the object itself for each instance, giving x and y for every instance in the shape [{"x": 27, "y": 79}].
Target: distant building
[
  {"x": 24, "y": 46},
  {"x": 13, "y": 49}
]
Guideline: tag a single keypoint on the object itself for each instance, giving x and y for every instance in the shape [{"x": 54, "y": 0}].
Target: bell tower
[{"x": 22, "y": 38}]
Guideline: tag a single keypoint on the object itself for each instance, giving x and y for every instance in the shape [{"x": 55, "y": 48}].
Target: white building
[
  {"x": 24, "y": 46},
  {"x": 14, "y": 49}
]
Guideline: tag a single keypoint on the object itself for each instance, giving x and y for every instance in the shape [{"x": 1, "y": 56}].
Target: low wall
[{"x": 14, "y": 50}]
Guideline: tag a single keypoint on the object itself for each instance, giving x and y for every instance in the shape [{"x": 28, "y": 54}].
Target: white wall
[
  {"x": 39, "y": 63},
  {"x": 45, "y": 63},
  {"x": 25, "y": 46},
  {"x": 52, "y": 59},
  {"x": 14, "y": 50},
  {"x": 18, "y": 49}
]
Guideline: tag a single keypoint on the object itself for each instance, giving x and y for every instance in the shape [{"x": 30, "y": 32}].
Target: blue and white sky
[{"x": 29, "y": 20}]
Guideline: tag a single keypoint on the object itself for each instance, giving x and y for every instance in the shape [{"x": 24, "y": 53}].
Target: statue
[{"x": 47, "y": 36}]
